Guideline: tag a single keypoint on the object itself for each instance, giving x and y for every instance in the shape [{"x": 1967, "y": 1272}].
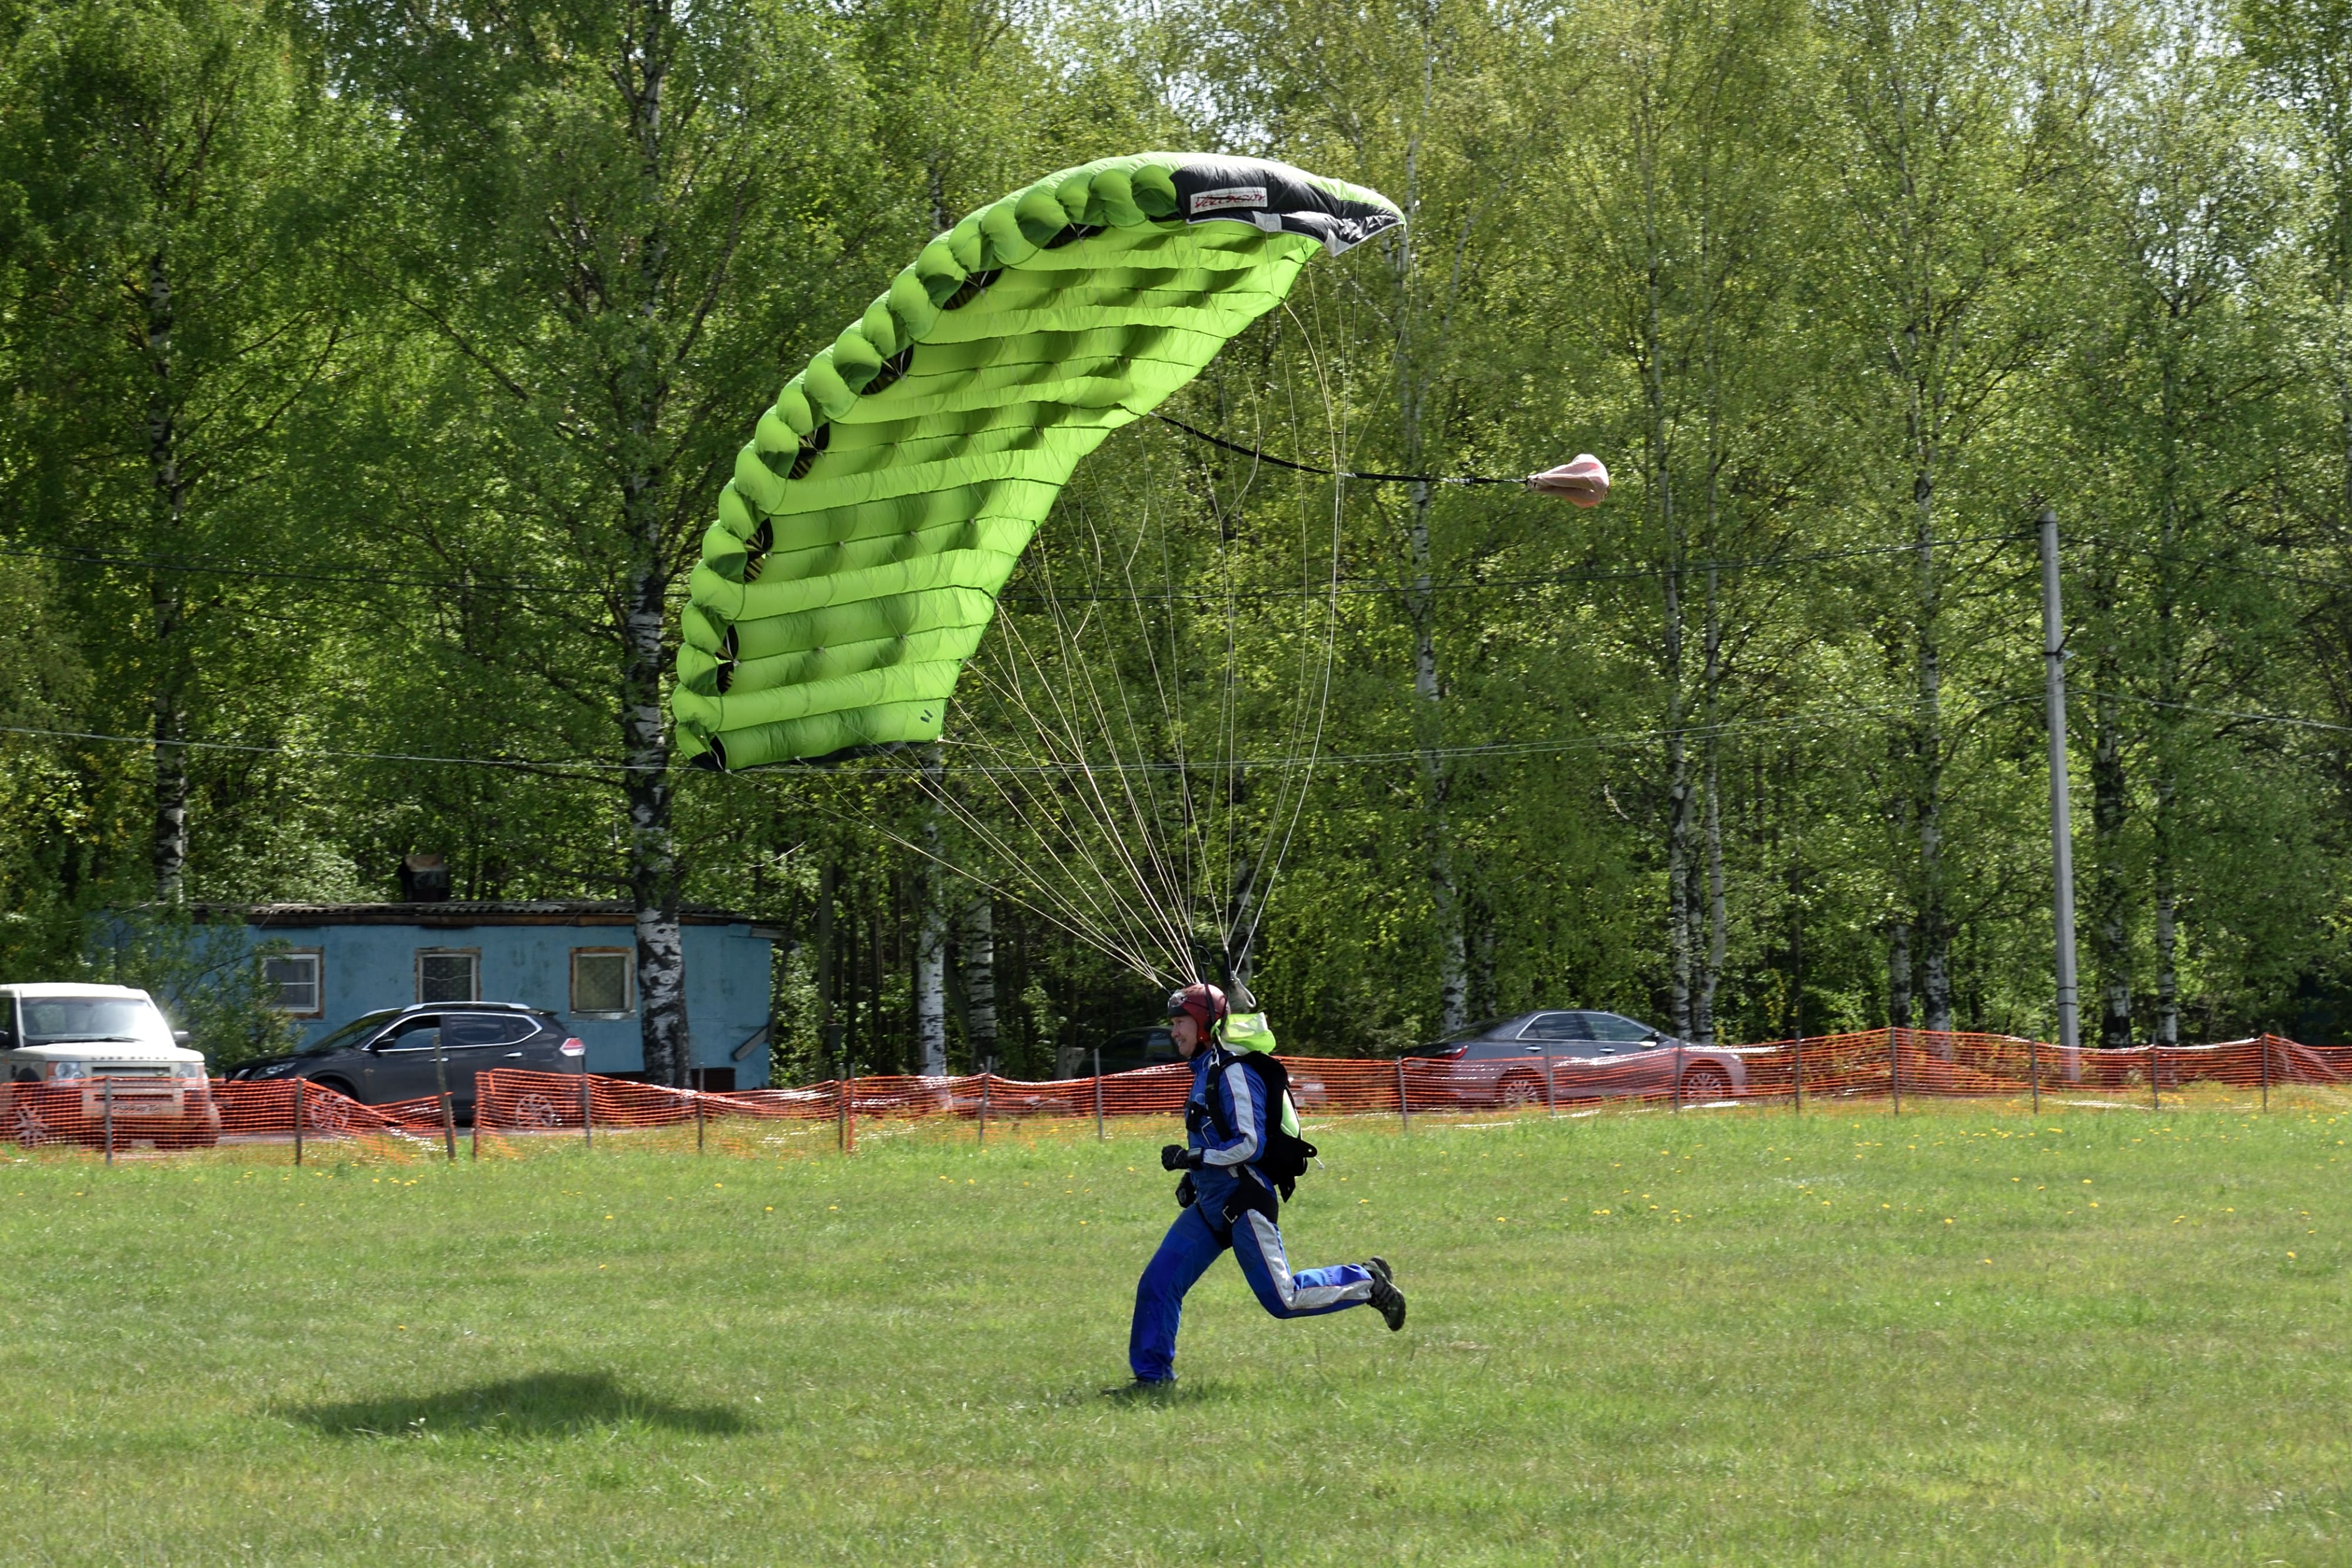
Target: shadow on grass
[{"x": 543, "y": 1405}]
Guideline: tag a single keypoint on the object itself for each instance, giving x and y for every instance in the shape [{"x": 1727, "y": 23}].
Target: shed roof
[{"x": 461, "y": 912}]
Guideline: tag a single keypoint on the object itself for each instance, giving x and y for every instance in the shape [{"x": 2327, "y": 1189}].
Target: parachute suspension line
[
  {"x": 1143, "y": 816},
  {"x": 1268, "y": 870},
  {"x": 1047, "y": 817},
  {"x": 1094, "y": 896},
  {"x": 1073, "y": 707},
  {"x": 1077, "y": 928},
  {"x": 1094, "y": 892}
]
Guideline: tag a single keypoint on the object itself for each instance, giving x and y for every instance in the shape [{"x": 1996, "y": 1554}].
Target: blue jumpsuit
[{"x": 1234, "y": 1208}]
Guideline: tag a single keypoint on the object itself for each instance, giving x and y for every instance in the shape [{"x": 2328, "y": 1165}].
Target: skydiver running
[{"x": 1233, "y": 1130}]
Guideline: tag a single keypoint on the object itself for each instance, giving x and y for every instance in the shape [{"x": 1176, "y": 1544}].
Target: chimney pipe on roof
[{"x": 423, "y": 879}]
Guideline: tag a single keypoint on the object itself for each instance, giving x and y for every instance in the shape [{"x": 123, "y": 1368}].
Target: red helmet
[{"x": 1204, "y": 1004}]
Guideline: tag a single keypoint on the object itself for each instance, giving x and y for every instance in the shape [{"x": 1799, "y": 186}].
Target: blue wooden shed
[{"x": 576, "y": 958}]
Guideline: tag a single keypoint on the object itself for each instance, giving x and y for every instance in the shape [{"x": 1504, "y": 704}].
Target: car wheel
[
  {"x": 329, "y": 1115},
  {"x": 1705, "y": 1082},
  {"x": 29, "y": 1129},
  {"x": 1521, "y": 1090},
  {"x": 537, "y": 1111}
]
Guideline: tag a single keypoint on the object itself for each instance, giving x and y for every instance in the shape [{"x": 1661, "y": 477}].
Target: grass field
[{"x": 1957, "y": 1337}]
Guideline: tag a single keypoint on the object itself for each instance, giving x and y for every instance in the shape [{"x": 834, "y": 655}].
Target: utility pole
[{"x": 2062, "y": 834}]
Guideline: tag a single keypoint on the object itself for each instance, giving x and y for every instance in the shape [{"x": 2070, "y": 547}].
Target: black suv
[{"x": 385, "y": 1056}]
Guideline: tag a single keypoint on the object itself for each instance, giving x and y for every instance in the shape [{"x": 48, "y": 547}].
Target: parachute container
[{"x": 884, "y": 500}]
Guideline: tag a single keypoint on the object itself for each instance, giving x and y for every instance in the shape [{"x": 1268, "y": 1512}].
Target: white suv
[{"x": 80, "y": 1059}]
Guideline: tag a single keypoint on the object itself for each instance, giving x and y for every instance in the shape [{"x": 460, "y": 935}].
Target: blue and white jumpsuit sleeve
[{"x": 1234, "y": 1207}]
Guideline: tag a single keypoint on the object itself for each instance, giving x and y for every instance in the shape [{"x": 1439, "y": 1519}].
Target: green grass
[{"x": 1961, "y": 1337}]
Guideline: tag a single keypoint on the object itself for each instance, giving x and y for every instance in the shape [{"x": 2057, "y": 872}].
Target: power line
[
  {"x": 283, "y": 749},
  {"x": 2241, "y": 717},
  {"x": 1730, "y": 564},
  {"x": 249, "y": 571},
  {"x": 198, "y": 566},
  {"x": 2216, "y": 562},
  {"x": 1368, "y": 758},
  {"x": 1505, "y": 750}
]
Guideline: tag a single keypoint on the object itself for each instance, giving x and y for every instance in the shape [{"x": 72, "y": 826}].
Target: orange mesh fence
[
  {"x": 519, "y": 1113},
  {"x": 120, "y": 1117}
]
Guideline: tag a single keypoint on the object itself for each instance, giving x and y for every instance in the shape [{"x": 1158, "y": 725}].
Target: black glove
[
  {"x": 1185, "y": 1196},
  {"x": 1177, "y": 1157}
]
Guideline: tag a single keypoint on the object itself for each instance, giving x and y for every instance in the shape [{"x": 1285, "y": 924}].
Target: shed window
[
  {"x": 294, "y": 982},
  {"x": 448, "y": 975},
  {"x": 602, "y": 980}
]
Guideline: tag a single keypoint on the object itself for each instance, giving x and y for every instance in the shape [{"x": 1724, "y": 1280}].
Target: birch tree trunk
[
  {"x": 2110, "y": 810},
  {"x": 167, "y": 590},
  {"x": 641, "y": 390},
  {"x": 976, "y": 953},
  {"x": 931, "y": 935}
]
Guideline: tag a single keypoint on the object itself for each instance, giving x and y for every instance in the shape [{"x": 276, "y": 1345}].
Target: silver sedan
[{"x": 1591, "y": 1055}]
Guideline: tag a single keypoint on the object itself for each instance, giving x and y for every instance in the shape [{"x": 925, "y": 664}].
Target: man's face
[{"x": 1186, "y": 1031}]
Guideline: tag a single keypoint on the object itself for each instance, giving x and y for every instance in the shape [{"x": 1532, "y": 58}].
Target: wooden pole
[
  {"x": 1100, "y": 1137},
  {"x": 587, "y": 1106},
  {"x": 1895, "y": 1065},
  {"x": 697, "y": 1121},
  {"x": 1551, "y": 1105},
  {"x": 2155, "y": 1077},
  {"x": 2266, "y": 1071},
  {"x": 106, "y": 1094},
  {"x": 441, "y": 1088},
  {"x": 2033, "y": 1071},
  {"x": 1405, "y": 1112},
  {"x": 1678, "y": 1080},
  {"x": 986, "y": 1072},
  {"x": 1797, "y": 1056},
  {"x": 298, "y": 1082}
]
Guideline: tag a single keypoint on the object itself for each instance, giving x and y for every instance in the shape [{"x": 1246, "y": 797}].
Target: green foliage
[
  {"x": 454, "y": 368},
  {"x": 207, "y": 976}
]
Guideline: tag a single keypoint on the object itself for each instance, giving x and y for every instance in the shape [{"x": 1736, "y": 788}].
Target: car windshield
[
  {"x": 350, "y": 1034},
  {"x": 58, "y": 1020}
]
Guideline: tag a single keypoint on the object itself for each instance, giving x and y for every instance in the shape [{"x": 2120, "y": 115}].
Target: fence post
[
  {"x": 587, "y": 1108},
  {"x": 1895, "y": 1065},
  {"x": 697, "y": 1122},
  {"x": 1678, "y": 1079},
  {"x": 1799, "y": 1049},
  {"x": 1551, "y": 1104},
  {"x": 986, "y": 1072},
  {"x": 1100, "y": 1135},
  {"x": 475, "y": 1126},
  {"x": 2033, "y": 1071},
  {"x": 106, "y": 1094},
  {"x": 2155, "y": 1077},
  {"x": 441, "y": 1089},
  {"x": 298, "y": 1119},
  {"x": 1405, "y": 1112},
  {"x": 2266, "y": 1071}
]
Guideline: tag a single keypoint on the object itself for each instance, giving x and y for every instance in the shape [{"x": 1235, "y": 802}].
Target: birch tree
[{"x": 611, "y": 239}]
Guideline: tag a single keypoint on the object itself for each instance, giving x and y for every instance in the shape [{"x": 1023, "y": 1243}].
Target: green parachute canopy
[{"x": 883, "y": 502}]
